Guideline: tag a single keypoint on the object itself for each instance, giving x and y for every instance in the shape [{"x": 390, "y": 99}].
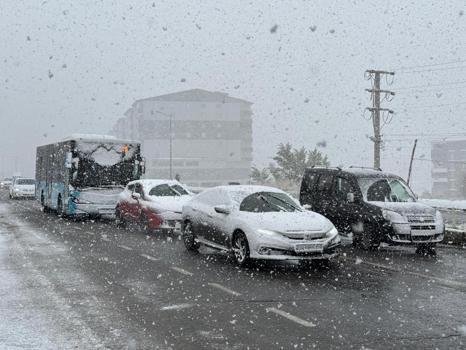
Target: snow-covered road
[{"x": 87, "y": 285}]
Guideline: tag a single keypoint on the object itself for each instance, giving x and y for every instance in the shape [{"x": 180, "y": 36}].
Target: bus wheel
[{"x": 59, "y": 207}]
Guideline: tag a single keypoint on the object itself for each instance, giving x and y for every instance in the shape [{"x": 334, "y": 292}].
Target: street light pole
[
  {"x": 170, "y": 118},
  {"x": 171, "y": 153}
]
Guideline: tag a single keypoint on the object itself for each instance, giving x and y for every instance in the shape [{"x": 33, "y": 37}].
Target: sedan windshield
[
  {"x": 376, "y": 189},
  {"x": 261, "y": 202}
]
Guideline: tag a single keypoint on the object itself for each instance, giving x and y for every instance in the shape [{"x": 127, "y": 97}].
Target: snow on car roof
[{"x": 248, "y": 188}]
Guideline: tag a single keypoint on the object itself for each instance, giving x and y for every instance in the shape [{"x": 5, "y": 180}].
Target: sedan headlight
[
  {"x": 268, "y": 233},
  {"x": 393, "y": 217}
]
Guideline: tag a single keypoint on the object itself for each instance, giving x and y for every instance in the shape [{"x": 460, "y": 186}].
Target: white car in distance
[
  {"x": 257, "y": 222},
  {"x": 23, "y": 188}
]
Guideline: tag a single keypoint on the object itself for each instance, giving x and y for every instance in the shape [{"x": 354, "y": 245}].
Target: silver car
[{"x": 257, "y": 222}]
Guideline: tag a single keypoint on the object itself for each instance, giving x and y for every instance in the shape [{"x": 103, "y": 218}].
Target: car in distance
[
  {"x": 5, "y": 183},
  {"x": 257, "y": 222},
  {"x": 154, "y": 204},
  {"x": 23, "y": 188},
  {"x": 373, "y": 205}
]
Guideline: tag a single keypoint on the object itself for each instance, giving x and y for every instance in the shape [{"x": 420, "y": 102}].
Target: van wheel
[{"x": 189, "y": 237}]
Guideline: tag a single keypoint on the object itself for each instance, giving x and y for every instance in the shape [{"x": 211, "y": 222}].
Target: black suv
[{"x": 372, "y": 205}]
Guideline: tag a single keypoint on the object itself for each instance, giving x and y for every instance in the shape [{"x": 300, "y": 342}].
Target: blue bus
[{"x": 84, "y": 174}]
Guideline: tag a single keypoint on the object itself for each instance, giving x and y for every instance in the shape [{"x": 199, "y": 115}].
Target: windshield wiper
[
  {"x": 272, "y": 204},
  {"x": 285, "y": 202}
]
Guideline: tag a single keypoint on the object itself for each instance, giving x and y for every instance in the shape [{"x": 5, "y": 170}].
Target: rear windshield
[{"x": 25, "y": 182}]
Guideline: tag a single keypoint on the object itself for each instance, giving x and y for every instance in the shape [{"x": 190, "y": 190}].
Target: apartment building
[
  {"x": 449, "y": 169},
  {"x": 202, "y": 137}
]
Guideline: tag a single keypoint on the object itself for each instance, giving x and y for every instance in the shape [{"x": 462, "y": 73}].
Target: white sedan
[
  {"x": 257, "y": 222},
  {"x": 23, "y": 188}
]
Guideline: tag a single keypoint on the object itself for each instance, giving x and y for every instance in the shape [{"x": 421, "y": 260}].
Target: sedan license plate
[{"x": 309, "y": 248}]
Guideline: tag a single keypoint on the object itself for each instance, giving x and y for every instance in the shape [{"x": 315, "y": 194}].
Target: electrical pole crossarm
[
  {"x": 372, "y": 109},
  {"x": 375, "y": 71},
  {"x": 382, "y": 91}
]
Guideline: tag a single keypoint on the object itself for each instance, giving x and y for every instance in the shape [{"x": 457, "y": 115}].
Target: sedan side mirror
[
  {"x": 350, "y": 197},
  {"x": 222, "y": 209},
  {"x": 136, "y": 196}
]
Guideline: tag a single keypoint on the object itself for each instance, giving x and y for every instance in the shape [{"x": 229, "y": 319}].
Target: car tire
[
  {"x": 240, "y": 247},
  {"x": 189, "y": 237},
  {"x": 144, "y": 222},
  {"x": 119, "y": 220}
]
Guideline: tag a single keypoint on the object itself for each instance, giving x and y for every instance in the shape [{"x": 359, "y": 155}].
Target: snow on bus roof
[{"x": 97, "y": 138}]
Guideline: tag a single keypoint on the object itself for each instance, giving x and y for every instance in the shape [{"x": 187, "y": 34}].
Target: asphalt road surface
[{"x": 68, "y": 284}]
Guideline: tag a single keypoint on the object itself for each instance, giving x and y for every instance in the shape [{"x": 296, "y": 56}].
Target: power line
[
  {"x": 408, "y": 108},
  {"x": 432, "y": 70},
  {"x": 432, "y": 85},
  {"x": 430, "y": 65},
  {"x": 441, "y": 161}
]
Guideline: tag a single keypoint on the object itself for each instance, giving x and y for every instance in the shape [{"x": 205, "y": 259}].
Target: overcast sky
[{"x": 77, "y": 66}]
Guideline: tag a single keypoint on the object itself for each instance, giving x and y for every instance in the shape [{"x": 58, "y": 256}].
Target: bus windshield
[{"x": 97, "y": 164}]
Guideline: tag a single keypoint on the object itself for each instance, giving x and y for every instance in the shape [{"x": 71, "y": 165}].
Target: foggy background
[{"x": 76, "y": 67}]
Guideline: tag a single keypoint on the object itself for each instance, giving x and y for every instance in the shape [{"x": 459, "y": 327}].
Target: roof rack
[
  {"x": 364, "y": 167},
  {"x": 325, "y": 167}
]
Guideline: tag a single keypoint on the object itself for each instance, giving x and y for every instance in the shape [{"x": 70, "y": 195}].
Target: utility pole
[
  {"x": 376, "y": 109},
  {"x": 411, "y": 161}
]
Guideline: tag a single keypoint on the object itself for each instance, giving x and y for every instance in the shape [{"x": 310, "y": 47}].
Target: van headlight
[
  {"x": 332, "y": 232},
  {"x": 439, "y": 223},
  {"x": 393, "y": 217},
  {"x": 333, "y": 235}
]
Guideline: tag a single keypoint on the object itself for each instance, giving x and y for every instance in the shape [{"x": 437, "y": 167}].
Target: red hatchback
[{"x": 154, "y": 204}]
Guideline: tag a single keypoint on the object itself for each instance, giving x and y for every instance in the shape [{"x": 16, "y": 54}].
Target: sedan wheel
[
  {"x": 240, "y": 248},
  {"x": 189, "y": 237},
  {"x": 119, "y": 220}
]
